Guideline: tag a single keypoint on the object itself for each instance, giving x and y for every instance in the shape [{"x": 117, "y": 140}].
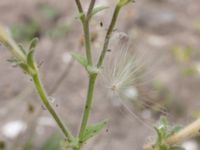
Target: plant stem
[
  {"x": 87, "y": 40},
  {"x": 80, "y": 9},
  {"x": 188, "y": 132},
  {"x": 85, "y": 19},
  {"x": 108, "y": 35},
  {"x": 88, "y": 105},
  {"x": 45, "y": 101},
  {"x": 89, "y": 12}
]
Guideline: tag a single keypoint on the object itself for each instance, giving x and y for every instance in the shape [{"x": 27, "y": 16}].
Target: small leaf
[
  {"x": 159, "y": 137},
  {"x": 14, "y": 61},
  {"x": 30, "y": 59},
  {"x": 92, "y": 130},
  {"x": 22, "y": 48},
  {"x": 98, "y": 9},
  {"x": 33, "y": 43},
  {"x": 81, "y": 59},
  {"x": 24, "y": 67}
]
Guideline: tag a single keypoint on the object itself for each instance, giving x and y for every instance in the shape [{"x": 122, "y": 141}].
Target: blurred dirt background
[{"x": 170, "y": 29}]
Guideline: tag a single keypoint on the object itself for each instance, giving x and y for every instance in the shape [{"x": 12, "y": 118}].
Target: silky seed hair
[
  {"x": 125, "y": 73},
  {"x": 124, "y": 67}
]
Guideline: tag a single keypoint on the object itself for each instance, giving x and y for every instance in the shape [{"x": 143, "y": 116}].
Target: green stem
[
  {"x": 45, "y": 101},
  {"x": 88, "y": 106},
  {"x": 108, "y": 35},
  {"x": 89, "y": 13},
  {"x": 87, "y": 40},
  {"x": 80, "y": 9},
  {"x": 85, "y": 19}
]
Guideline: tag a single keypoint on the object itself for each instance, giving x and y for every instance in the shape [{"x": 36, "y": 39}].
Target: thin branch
[
  {"x": 108, "y": 35},
  {"x": 80, "y": 9},
  {"x": 85, "y": 23},
  {"x": 45, "y": 101},
  {"x": 92, "y": 3},
  {"x": 78, "y": 4}
]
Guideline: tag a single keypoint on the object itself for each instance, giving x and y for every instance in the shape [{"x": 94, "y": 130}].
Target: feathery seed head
[{"x": 122, "y": 69}]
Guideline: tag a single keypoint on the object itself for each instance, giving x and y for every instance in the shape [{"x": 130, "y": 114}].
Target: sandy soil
[{"x": 154, "y": 26}]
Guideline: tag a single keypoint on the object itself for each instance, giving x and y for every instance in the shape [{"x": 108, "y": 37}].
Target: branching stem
[{"x": 85, "y": 19}]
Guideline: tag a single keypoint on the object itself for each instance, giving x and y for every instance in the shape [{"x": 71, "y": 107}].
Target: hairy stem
[
  {"x": 108, "y": 35},
  {"x": 45, "y": 101}
]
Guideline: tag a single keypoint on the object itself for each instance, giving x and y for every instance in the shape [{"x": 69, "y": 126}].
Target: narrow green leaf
[
  {"x": 159, "y": 136},
  {"x": 33, "y": 44},
  {"x": 30, "y": 59},
  {"x": 80, "y": 58},
  {"x": 24, "y": 67},
  {"x": 92, "y": 130},
  {"x": 98, "y": 9},
  {"x": 22, "y": 48},
  {"x": 14, "y": 61}
]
